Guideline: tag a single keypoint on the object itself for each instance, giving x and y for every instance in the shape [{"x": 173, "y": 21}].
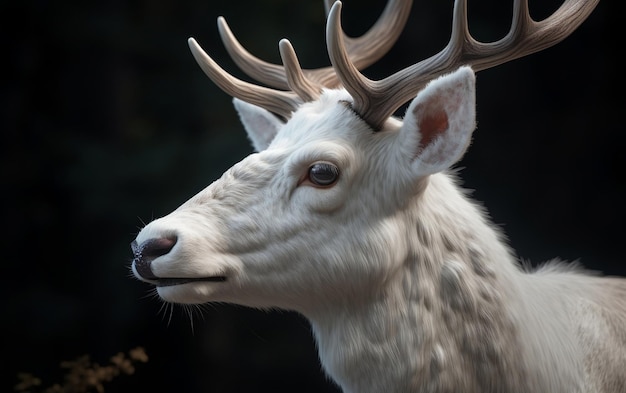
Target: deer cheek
[{"x": 320, "y": 200}]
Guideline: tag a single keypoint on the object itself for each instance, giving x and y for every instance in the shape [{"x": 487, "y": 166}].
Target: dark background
[{"x": 107, "y": 122}]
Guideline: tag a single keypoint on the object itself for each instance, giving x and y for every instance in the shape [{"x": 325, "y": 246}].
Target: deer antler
[
  {"x": 375, "y": 101},
  {"x": 282, "y": 103},
  {"x": 364, "y": 50},
  {"x": 306, "y": 84}
]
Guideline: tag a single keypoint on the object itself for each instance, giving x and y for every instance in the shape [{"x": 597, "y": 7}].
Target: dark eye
[{"x": 323, "y": 174}]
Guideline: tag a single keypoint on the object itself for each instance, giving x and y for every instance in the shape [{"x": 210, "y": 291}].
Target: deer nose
[{"x": 147, "y": 252}]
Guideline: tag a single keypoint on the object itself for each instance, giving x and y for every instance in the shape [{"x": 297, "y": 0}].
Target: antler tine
[
  {"x": 296, "y": 79},
  {"x": 527, "y": 36},
  {"x": 364, "y": 50},
  {"x": 360, "y": 87},
  {"x": 380, "y": 38},
  {"x": 282, "y": 103},
  {"x": 365, "y": 92},
  {"x": 271, "y": 74},
  {"x": 375, "y": 101}
]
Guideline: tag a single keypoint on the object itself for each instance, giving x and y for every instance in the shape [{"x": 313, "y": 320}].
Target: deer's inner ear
[{"x": 432, "y": 123}]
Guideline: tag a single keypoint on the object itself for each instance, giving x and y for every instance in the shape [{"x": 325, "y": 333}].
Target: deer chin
[{"x": 189, "y": 290}]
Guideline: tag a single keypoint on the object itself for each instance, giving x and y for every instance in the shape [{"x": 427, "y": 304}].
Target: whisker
[
  {"x": 143, "y": 223},
  {"x": 169, "y": 319}
]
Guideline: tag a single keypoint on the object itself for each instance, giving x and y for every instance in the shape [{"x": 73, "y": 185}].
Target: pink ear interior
[{"x": 433, "y": 121}]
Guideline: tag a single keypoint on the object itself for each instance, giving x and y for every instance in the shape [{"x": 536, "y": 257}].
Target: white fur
[{"x": 408, "y": 286}]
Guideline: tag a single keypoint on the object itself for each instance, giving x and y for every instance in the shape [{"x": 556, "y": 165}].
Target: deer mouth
[{"x": 168, "y": 282}]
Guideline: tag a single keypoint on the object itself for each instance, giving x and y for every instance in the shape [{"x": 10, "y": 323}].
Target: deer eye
[{"x": 323, "y": 174}]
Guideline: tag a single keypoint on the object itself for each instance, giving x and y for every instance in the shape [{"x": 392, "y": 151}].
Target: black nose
[{"x": 148, "y": 251}]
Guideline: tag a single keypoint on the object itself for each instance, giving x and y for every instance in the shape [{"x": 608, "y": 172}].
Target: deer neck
[{"x": 440, "y": 315}]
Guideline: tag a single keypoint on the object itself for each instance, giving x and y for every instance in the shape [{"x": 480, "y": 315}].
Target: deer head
[
  {"x": 320, "y": 213},
  {"x": 349, "y": 216}
]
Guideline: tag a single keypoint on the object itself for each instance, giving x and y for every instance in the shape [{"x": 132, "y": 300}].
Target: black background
[{"x": 107, "y": 122}]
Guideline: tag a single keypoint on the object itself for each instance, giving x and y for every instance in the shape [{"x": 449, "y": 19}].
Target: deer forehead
[{"x": 329, "y": 118}]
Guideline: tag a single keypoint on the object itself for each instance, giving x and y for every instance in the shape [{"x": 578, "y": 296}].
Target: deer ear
[
  {"x": 261, "y": 125},
  {"x": 438, "y": 125}
]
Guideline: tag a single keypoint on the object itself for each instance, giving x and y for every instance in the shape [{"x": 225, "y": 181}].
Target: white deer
[{"x": 352, "y": 218}]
